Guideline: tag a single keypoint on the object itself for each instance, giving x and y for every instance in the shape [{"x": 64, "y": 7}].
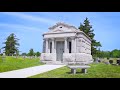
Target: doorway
[
  {"x": 60, "y": 50},
  {"x": 69, "y": 47}
]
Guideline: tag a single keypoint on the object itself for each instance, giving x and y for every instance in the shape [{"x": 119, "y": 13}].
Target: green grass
[
  {"x": 11, "y": 63},
  {"x": 96, "y": 71}
]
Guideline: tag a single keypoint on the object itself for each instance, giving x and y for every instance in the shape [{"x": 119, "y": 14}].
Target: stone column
[
  {"x": 43, "y": 50},
  {"x": 53, "y": 45},
  {"x": 65, "y": 48},
  {"x": 46, "y": 46},
  {"x": 73, "y": 44}
]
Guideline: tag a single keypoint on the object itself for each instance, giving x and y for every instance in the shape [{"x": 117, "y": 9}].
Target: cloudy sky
[{"x": 29, "y": 27}]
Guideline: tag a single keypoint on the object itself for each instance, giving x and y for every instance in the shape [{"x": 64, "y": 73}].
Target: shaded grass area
[
  {"x": 96, "y": 71},
  {"x": 11, "y": 63}
]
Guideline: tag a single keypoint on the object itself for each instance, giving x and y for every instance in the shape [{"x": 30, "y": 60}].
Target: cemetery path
[{"x": 27, "y": 72}]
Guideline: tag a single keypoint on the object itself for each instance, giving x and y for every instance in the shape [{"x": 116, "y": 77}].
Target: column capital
[
  {"x": 72, "y": 38},
  {"x": 65, "y": 38},
  {"x": 46, "y": 39},
  {"x": 52, "y": 39}
]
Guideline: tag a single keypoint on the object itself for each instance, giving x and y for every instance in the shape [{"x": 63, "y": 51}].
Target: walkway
[{"x": 27, "y": 72}]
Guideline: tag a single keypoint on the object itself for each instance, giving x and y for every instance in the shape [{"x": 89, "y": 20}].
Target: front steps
[{"x": 53, "y": 62}]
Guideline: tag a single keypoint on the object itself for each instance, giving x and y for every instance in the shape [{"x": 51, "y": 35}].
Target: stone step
[{"x": 53, "y": 62}]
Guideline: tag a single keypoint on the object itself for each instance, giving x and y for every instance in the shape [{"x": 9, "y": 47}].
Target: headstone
[
  {"x": 3, "y": 54},
  {"x": 97, "y": 60},
  {"x": 3, "y": 57},
  {"x": 24, "y": 57},
  {"x": 118, "y": 62}
]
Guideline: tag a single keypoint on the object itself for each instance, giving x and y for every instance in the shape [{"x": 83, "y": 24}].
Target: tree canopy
[
  {"x": 31, "y": 52},
  {"x": 107, "y": 54},
  {"x": 37, "y": 54},
  {"x": 11, "y": 44},
  {"x": 87, "y": 29}
]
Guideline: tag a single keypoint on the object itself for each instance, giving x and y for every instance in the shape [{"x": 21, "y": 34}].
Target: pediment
[
  {"x": 62, "y": 27},
  {"x": 58, "y": 30}
]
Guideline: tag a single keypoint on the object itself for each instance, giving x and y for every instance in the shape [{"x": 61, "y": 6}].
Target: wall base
[{"x": 81, "y": 58}]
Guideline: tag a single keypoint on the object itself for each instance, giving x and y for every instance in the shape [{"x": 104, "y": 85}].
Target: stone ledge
[
  {"x": 74, "y": 67},
  {"x": 78, "y": 66}
]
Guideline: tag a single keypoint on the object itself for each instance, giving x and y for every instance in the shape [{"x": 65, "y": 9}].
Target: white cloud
[
  {"x": 20, "y": 27},
  {"x": 30, "y": 17}
]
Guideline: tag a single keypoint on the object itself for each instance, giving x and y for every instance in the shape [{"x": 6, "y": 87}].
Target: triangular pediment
[
  {"x": 57, "y": 30},
  {"x": 62, "y": 27}
]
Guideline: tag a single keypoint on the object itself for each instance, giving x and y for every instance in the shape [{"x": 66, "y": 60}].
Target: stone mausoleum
[{"x": 65, "y": 43}]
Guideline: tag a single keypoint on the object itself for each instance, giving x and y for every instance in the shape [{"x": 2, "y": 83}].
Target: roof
[
  {"x": 74, "y": 30},
  {"x": 62, "y": 23}
]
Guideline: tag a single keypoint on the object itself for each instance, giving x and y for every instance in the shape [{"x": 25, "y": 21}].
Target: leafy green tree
[
  {"x": 23, "y": 54},
  {"x": 87, "y": 29},
  {"x": 31, "y": 53},
  {"x": 37, "y": 54},
  {"x": 11, "y": 45},
  {"x": 107, "y": 54},
  {"x": 115, "y": 53}
]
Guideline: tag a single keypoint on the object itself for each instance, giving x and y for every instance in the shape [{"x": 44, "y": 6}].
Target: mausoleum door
[{"x": 60, "y": 50}]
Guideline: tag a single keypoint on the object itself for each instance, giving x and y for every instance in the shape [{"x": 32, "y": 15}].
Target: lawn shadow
[{"x": 76, "y": 73}]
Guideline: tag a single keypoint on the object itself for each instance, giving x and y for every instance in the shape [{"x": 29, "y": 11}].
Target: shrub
[
  {"x": 108, "y": 58},
  {"x": 111, "y": 61}
]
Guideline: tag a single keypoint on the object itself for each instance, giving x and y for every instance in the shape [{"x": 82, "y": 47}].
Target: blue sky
[{"x": 29, "y": 27}]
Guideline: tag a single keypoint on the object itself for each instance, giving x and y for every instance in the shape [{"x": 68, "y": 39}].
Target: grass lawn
[
  {"x": 11, "y": 63},
  {"x": 96, "y": 71}
]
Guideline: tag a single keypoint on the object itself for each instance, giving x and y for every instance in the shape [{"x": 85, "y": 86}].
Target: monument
[{"x": 65, "y": 43}]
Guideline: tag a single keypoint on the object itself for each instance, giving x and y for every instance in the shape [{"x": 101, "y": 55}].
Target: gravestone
[
  {"x": 118, "y": 62},
  {"x": 97, "y": 60},
  {"x": 3, "y": 57},
  {"x": 24, "y": 57}
]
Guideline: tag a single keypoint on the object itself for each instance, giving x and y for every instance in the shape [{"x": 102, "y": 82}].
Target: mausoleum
[{"x": 65, "y": 43}]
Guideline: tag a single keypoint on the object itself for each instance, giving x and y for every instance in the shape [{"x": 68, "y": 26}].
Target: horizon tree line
[{"x": 11, "y": 47}]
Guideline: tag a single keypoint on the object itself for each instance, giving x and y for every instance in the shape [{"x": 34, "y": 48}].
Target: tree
[
  {"x": 23, "y": 54},
  {"x": 87, "y": 29},
  {"x": 37, "y": 54},
  {"x": 115, "y": 53},
  {"x": 31, "y": 52},
  {"x": 107, "y": 54},
  {"x": 11, "y": 45}
]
